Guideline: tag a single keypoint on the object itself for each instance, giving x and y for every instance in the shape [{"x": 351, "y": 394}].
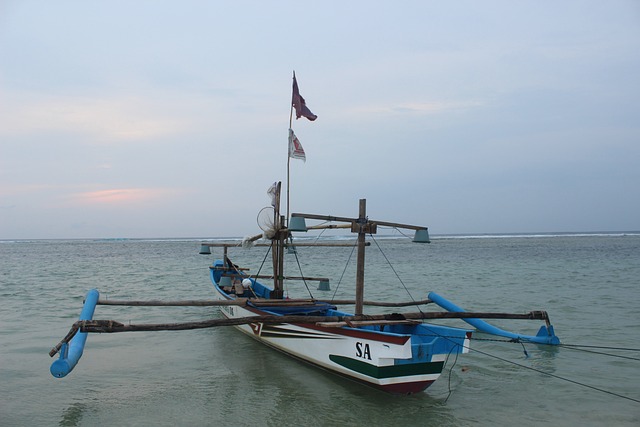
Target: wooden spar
[
  {"x": 352, "y": 220},
  {"x": 256, "y": 302},
  {"x": 270, "y": 277},
  {"x": 325, "y": 217},
  {"x": 312, "y": 279},
  {"x": 321, "y": 244},
  {"x": 185, "y": 303},
  {"x": 398, "y": 225},
  {"x": 326, "y": 244},
  {"x": 228, "y": 272},
  {"x": 110, "y": 326},
  {"x": 254, "y": 238},
  {"x": 327, "y": 226},
  {"x": 380, "y": 303},
  {"x": 228, "y": 269}
]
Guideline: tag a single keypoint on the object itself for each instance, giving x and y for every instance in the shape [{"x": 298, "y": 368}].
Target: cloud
[
  {"x": 57, "y": 196},
  {"x": 418, "y": 108},
  {"x": 8, "y": 190},
  {"x": 105, "y": 118},
  {"x": 117, "y": 196}
]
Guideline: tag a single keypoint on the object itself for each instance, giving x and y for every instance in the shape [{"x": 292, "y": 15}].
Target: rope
[
  {"x": 399, "y": 231},
  {"x": 321, "y": 232},
  {"x": 575, "y": 347},
  {"x": 621, "y": 396},
  {"x": 263, "y": 261},
  {"x": 300, "y": 269},
  {"x": 601, "y": 347},
  {"x": 450, "y": 371},
  {"x": 568, "y": 346},
  {"x": 558, "y": 377},
  {"x": 343, "y": 272},
  {"x": 394, "y": 270}
]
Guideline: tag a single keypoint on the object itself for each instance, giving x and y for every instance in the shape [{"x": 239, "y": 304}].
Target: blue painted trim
[
  {"x": 71, "y": 353},
  {"x": 545, "y": 335}
]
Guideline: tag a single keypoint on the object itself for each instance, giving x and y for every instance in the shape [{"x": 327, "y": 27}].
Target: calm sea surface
[{"x": 589, "y": 284}]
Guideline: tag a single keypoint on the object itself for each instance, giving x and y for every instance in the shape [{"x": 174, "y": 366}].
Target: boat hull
[{"x": 405, "y": 360}]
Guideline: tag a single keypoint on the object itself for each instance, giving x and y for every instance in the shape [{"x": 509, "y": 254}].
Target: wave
[{"x": 536, "y": 235}]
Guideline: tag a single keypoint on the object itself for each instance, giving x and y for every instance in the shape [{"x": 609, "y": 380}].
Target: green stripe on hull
[{"x": 392, "y": 371}]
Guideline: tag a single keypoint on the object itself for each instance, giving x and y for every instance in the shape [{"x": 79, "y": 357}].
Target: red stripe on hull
[{"x": 357, "y": 333}]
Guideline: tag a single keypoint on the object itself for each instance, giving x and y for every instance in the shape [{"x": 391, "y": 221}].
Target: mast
[
  {"x": 278, "y": 274},
  {"x": 289, "y": 153},
  {"x": 361, "y": 226},
  {"x": 277, "y": 247}
]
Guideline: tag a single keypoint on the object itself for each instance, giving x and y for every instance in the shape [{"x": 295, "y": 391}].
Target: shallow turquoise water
[{"x": 589, "y": 284}]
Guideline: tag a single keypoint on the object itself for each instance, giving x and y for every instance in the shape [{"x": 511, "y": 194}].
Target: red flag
[
  {"x": 295, "y": 148},
  {"x": 299, "y": 104}
]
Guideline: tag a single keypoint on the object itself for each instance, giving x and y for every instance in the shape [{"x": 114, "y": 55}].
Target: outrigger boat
[{"x": 395, "y": 352}]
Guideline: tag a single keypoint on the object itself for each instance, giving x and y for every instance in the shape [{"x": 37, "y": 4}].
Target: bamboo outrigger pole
[
  {"x": 111, "y": 326},
  {"x": 256, "y": 302}
]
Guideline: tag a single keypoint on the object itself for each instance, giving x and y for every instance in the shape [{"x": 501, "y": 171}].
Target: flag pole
[{"x": 288, "y": 150}]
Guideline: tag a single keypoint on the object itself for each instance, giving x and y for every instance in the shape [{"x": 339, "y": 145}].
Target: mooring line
[
  {"x": 455, "y": 361},
  {"x": 541, "y": 371},
  {"x": 601, "y": 347},
  {"x": 577, "y": 348},
  {"x": 558, "y": 376}
]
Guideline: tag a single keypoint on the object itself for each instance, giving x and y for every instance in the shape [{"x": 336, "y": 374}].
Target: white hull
[{"x": 393, "y": 362}]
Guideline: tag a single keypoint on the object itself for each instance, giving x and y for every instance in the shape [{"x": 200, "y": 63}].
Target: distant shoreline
[{"x": 340, "y": 237}]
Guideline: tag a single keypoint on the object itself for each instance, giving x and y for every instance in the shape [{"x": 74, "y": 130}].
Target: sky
[{"x": 150, "y": 119}]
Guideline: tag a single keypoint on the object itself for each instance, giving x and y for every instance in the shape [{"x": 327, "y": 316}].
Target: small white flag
[
  {"x": 295, "y": 148},
  {"x": 271, "y": 192}
]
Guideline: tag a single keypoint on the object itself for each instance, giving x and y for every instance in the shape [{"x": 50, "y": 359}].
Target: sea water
[{"x": 589, "y": 284}]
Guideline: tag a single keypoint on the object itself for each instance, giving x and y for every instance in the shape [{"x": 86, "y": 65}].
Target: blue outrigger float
[
  {"x": 545, "y": 334},
  {"x": 71, "y": 351}
]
